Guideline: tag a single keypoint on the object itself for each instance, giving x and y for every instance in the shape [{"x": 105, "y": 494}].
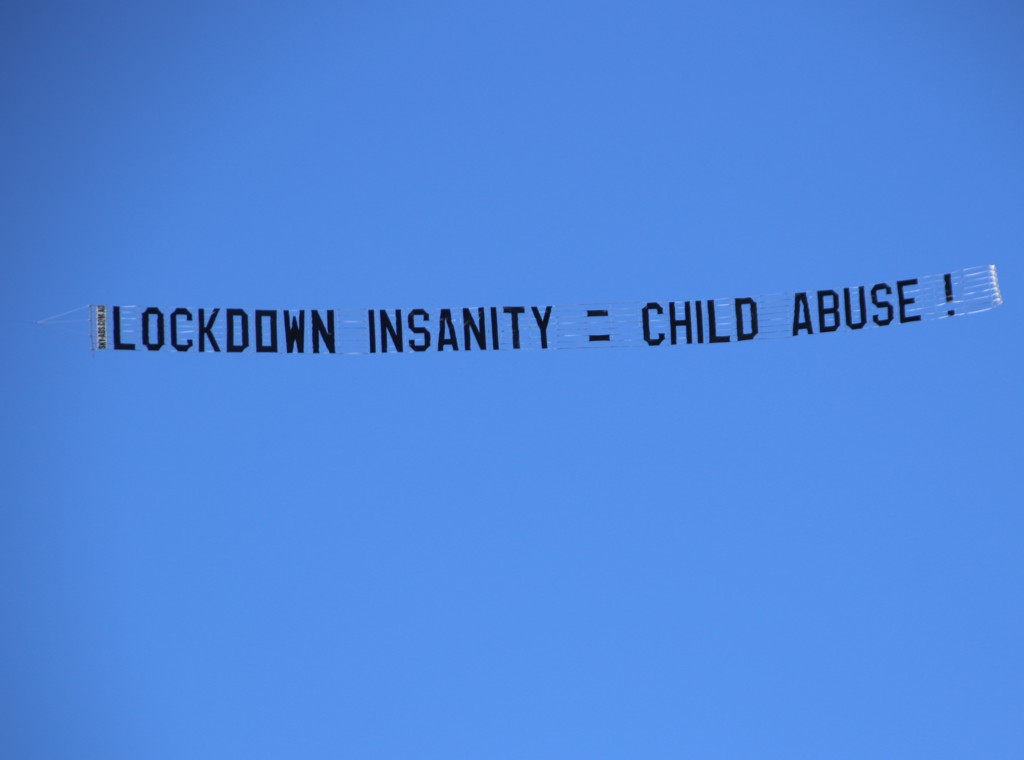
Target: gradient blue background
[{"x": 795, "y": 549}]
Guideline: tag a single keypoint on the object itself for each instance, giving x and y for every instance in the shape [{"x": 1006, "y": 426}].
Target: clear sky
[{"x": 791, "y": 549}]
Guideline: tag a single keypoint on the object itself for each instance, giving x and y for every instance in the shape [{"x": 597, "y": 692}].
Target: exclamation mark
[{"x": 949, "y": 292}]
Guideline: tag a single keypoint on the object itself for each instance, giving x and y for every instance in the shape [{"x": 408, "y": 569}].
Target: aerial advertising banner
[{"x": 657, "y": 324}]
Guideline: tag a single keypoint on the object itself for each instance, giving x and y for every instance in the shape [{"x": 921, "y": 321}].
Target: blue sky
[{"x": 804, "y": 548}]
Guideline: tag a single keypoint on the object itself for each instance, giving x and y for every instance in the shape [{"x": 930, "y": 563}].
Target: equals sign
[{"x": 599, "y": 313}]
